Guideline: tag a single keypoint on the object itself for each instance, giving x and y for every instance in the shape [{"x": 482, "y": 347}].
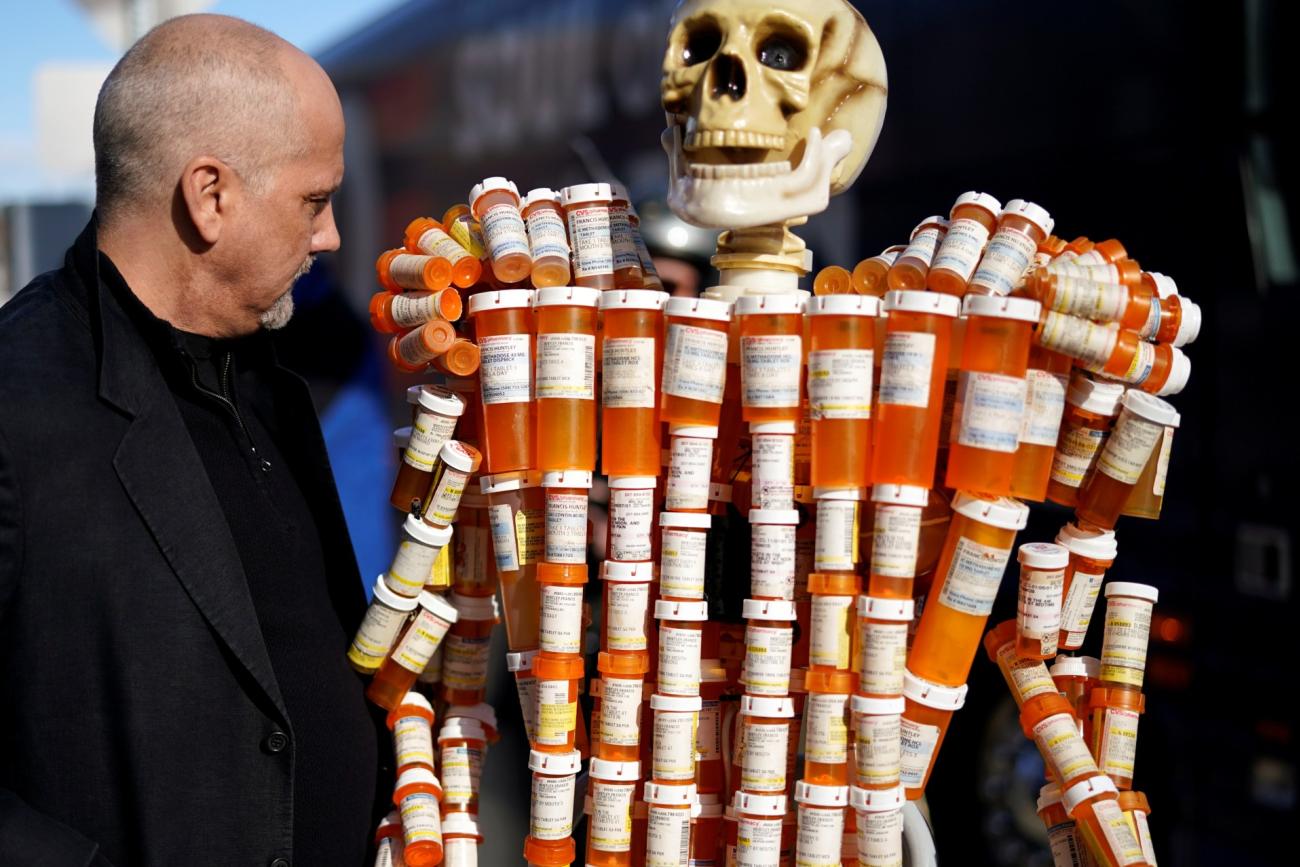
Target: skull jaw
[{"x": 746, "y": 202}]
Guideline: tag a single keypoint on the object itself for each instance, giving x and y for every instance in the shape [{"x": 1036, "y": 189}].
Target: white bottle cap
[
  {"x": 1096, "y": 544},
  {"x": 1180, "y": 370},
  {"x": 462, "y": 730},
  {"x": 689, "y": 520},
  {"x": 933, "y": 695},
  {"x": 786, "y": 303},
  {"x": 697, "y": 431},
  {"x": 1165, "y": 285},
  {"x": 1093, "y": 666},
  {"x": 1035, "y": 214},
  {"x": 676, "y": 703},
  {"x": 402, "y": 438},
  {"x": 670, "y": 796},
  {"x": 768, "y": 609},
  {"x": 894, "y": 610},
  {"x": 413, "y": 394},
  {"x": 767, "y": 706},
  {"x": 476, "y": 607},
  {"x": 567, "y": 479},
  {"x": 920, "y": 301},
  {"x": 841, "y": 494},
  {"x": 618, "y": 772},
  {"x": 758, "y": 805},
  {"x": 784, "y": 428},
  {"x": 983, "y": 200},
  {"x": 619, "y": 192},
  {"x": 627, "y": 572},
  {"x": 934, "y": 220},
  {"x": 458, "y": 456},
  {"x": 481, "y": 712},
  {"x": 632, "y": 299},
  {"x": 1043, "y": 555},
  {"x": 1001, "y": 307},
  {"x": 487, "y": 185},
  {"x": 434, "y": 537},
  {"x": 460, "y": 824},
  {"x": 1089, "y": 788},
  {"x": 566, "y": 296},
  {"x": 412, "y": 776},
  {"x": 555, "y": 764},
  {"x": 504, "y": 482},
  {"x": 698, "y": 308},
  {"x": 539, "y": 194},
  {"x": 667, "y": 609},
  {"x": 878, "y": 706},
  {"x": 1099, "y": 398},
  {"x": 414, "y": 699},
  {"x": 901, "y": 495},
  {"x": 392, "y": 600},
  {"x": 877, "y": 800},
  {"x": 1129, "y": 588},
  {"x": 501, "y": 299},
  {"x": 1002, "y": 512},
  {"x": 1190, "y": 326},
  {"x": 520, "y": 661},
  {"x": 1068, "y": 666},
  {"x": 632, "y": 483},
  {"x": 821, "y": 796},
  {"x": 1048, "y": 795},
  {"x": 439, "y": 606},
  {"x": 1150, "y": 407},
  {"x": 844, "y": 305},
  {"x": 788, "y": 517},
  {"x": 441, "y": 400},
  {"x": 586, "y": 193}
]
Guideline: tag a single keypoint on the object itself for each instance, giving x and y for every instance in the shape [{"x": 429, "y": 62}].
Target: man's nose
[{"x": 326, "y": 237}]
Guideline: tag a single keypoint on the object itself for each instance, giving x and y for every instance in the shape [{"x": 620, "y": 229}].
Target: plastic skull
[{"x": 773, "y": 106}]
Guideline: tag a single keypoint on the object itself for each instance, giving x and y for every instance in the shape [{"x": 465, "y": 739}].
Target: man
[{"x": 177, "y": 588}]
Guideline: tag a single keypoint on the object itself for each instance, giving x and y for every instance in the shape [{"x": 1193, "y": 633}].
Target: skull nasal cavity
[{"x": 728, "y": 77}]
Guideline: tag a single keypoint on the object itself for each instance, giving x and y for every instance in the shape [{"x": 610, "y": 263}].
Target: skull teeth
[
  {"x": 733, "y": 138},
  {"x": 708, "y": 171}
]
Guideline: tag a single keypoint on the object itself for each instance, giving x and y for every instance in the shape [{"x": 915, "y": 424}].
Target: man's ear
[{"x": 208, "y": 189}]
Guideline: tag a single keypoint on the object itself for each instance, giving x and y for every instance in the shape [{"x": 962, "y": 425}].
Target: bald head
[{"x": 197, "y": 84}]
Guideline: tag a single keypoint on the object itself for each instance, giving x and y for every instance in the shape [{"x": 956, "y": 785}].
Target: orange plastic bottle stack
[
  {"x": 548, "y": 240},
  {"x": 495, "y": 204},
  {"x": 841, "y": 355},
  {"x": 631, "y": 361},
  {"x": 587, "y": 210},
  {"x": 1141, "y": 423},
  {"x": 1090, "y": 410},
  {"x": 566, "y": 378},
  {"x": 504, "y": 329}
]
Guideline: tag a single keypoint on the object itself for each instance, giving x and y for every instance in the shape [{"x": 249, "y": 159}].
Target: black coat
[{"x": 140, "y": 719}]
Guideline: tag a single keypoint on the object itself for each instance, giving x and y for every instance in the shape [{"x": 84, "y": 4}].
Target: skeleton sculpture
[{"x": 773, "y": 106}]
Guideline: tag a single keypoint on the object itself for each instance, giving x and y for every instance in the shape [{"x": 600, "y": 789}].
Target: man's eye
[{"x": 319, "y": 204}]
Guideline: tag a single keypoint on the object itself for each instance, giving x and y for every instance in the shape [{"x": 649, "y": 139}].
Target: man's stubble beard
[{"x": 281, "y": 311}]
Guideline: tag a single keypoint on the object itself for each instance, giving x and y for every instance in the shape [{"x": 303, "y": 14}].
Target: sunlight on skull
[{"x": 772, "y": 108}]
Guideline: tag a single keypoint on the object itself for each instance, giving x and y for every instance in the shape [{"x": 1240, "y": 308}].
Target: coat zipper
[{"x": 264, "y": 464}]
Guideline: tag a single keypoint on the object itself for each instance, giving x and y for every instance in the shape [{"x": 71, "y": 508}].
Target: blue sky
[{"x": 57, "y": 31}]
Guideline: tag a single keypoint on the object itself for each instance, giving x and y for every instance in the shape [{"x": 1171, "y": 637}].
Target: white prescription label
[
  {"x": 708, "y": 735},
  {"x": 681, "y": 563},
  {"x": 668, "y": 837},
  {"x": 1091, "y": 299},
  {"x": 1162, "y": 463},
  {"x": 566, "y": 366},
  {"x": 620, "y": 233},
  {"x": 1044, "y": 406},
  {"x": 767, "y": 659},
  {"x": 546, "y": 235},
  {"x": 631, "y": 521},
  {"x": 923, "y": 245},
  {"x": 1129, "y": 447},
  {"x": 769, "y": 370},
  {"x": 1118, "y": 740},
  {"x": 674, "y": 745},
  {"x": 465, "y": 662},
  {"x": 413, "y": 741},
  {"x": 561, "y": 619},
  {"x": 1058, "y": 739},
  {"x": 411, "y": 567},
  {"x": 1124, "y": 644},
  {"x": 826, "y": 739},
  {"x": 1118, "y": 832},
  {"x": 772, "y": 555},
  {"x": 961, "y": 247},
  {"x": 758, "y": 842},
  {"x": 436, "y": 242},
  {"x": 989, "y": 410},
  {"x": 626, "y": 606},
  {"x": 593, "y": 249},
  {"x": 376, "y": 635},
  {"x": 1144, "y": 837},
  {"x": 763, "y": 753},
  {"x": 1066, "y": 849},
  {"x": 412, "y": 311},
  {"x": 1075, "y": 454},
  {"x": 880, "y": 839},
  {"x": 973, "y": 577},
  {"x": 421, "y": 818},
  {"x": 628, "y": 373},
  {"x": 836, "y": 538},
  {"x": 428, "y": 435},
  {"x": 773, "y": 471},
  {"x": 819, "y": 837},
  {"x": 905, "y": 368},
  {"x": 1038, "y": 607},
  {"x": 895, "y": 539},
  {"x": 831, "y": 627},
  {"x": 566, "y": 528},
  {"x": 917, "y": 743},
  {"x": 679, "y": 661},
  {"x": 1080, "y": 601},
  {"x": 1030, "y": 676},
  {"x": 611, "y": 816},
  {"x": 1004, "y": 261},
  {"x": 556, "y": 715},
  {"x": 884, "y": 658},
  {"x": 552, "y": 807},
  {"x": 620, "y": 711},
  {"x": 839, "y": 384},
  {"x": 695, "y": 363},
  {"x": 689, "y": 463},
  {"x": 1082, "y": 339},
  {"x": 460, "y": 770},
  {"x": 504, "y": 548},
  {"x": 503, "y": 231},
  {"x": 420, "y": 641},
  {"x": 445, "y": 499},
  {"x": 877, "y": 749},
  {"x": 505, "y": 368}
]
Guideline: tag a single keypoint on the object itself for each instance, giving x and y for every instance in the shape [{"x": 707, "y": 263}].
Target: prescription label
[
  {"x": 1075, "y": 454},
  {"x": 770, "y": 365},
  {"x": 413, "y": 741},
  {"x": 763, "y": 752},
  {"x": 679, "y": 661},
  {"x": 1030, "y": 676},
  {"x": 1118, "y": 832},
  {"x": 376, "y": 635},
  {"x": 561, "y": 619},
  {"x": 695, "y": 363},
  {"x": 530, "y": 533},
  {"x": 436, "y": 242},
  {"x": 593, "y": 249},
  {"x": 668, "y": 838},
  {"x": 628, "y": 373},
  {"x": 412, "y": 310},
  {"x": 420, "y": 641},
  {"x": 1162, "y": 463},
  {"x": 905, "y": 368},
  {"x": 428, "y": 435},
  {"x": 772, "y": 557},
  {"x": 502, "y": 523},
  {"x": 1044, "y": 406},
  {"x": 674, "y": 745},
  {"x": 620, "y": 234},
  {"x": 681, "y": 563},
  {"x": 973, "y": 577},
  {"x": 1058, "y": 739},
  {"x": 1080, "y": 601},
  {"x": 773, "y": 471},
  {"x": 1129, "y": 448},
  {"x": 469, "y": 234},
  {"x": 708, "y": 735},
  {"x": 839, "y": 384},
  {"x": 831, "y": 639},
  {"x": 961, "y": 248},
  {"x": 758, "y": 842},
  {"x": 836, "y": 537},
  {"x": 631, "y": 521},
  {"x": 505, "y": 368},
  {"x": 1124, "y": 645},
  {"x": 546, "y": 235},
  {"x": 503, "y": 230},
  {"x": 460, "y": 770},
  {"x": 611, "y": 816},
  {"x": 465, "y": 662},
  {"x": 411, "y": 568},
  {"x": 552, "y": 807},
  {"x": 620, "y": 711},
  {"x": 566, "y": 528},
  {"x": 1091, "y": 299},
  {"x": 1065, "y": 845},
  {"x": 1090, "y": 343},
  {"x": 625, "y": 615},
  {"x": 917, "y": 743},
  {"x": 1004, "y": 261},
  {"x": 556, "y": 714},
  {"x": 445, "y": 499},
  {"x": 989, "y": 410},
  {"x": 877, "y": 749},
  {"x": 688, "y": 474},
  {"x": 1039, "y": 605},
  {"x": 421, "y": 818},
  {"x": 880, "y": 839},
  {"x": 923, "y": 245},
  {"x": 883, "y": 658},
  {"x": 895, "y": 538},
  {"x": 566, "y": 366},
  {"x": 767, "y": 660},
  {"x": 826, "y": 739},
  {"x": 1118, "y": 742},
  {"x": 819, "y": 836}
]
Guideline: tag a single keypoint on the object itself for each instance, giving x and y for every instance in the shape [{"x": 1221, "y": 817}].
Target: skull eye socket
[
  {"x": 703, "y": 40},
  {"x": 782, "y": 51}
]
